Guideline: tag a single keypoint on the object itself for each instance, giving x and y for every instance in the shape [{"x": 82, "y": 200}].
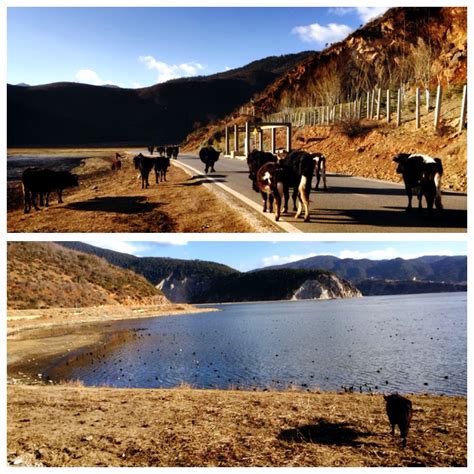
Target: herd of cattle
[{"x": 273, "y": 175}]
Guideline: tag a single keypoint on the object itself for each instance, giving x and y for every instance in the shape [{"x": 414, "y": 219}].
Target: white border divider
[{"x": 270, "y": 216}]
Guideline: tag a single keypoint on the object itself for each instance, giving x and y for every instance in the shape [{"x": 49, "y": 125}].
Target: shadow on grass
[
  {"x": 119, "y": 204},
  {"x": 324, "y": 432}
]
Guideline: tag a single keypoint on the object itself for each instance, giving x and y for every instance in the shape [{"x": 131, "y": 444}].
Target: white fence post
[
  {"x": 399, "y": 107},
  {"x": 427, "y": 100},
  {"x": 462, "y": 119},
  {"x": 379, "y": 99},
  {"x": 417, "y": 107},
  {"x": 439, "y": 92},
  {"x": 388, "y": 105}
]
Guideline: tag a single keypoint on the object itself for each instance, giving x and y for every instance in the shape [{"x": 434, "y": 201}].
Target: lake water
[{"x": 413, "y": 343}]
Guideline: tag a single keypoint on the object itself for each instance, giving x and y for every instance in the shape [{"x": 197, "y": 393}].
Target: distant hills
[
  {"x": 429, "y": 268},
  {"x": 45, "y": 274},
  {"x": 66, "y": 113},
  {"x": 196, "y": 281}
]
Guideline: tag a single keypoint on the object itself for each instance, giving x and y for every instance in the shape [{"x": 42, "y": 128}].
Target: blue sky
[
  {"x": 247, "y": 255},
  {"x": 141, "y": 46}
]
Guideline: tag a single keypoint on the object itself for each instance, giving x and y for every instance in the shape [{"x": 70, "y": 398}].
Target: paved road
[{"x": 349, "y": 205}]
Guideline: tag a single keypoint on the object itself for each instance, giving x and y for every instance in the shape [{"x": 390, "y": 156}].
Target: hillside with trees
[{"x": 45, "y": 274}]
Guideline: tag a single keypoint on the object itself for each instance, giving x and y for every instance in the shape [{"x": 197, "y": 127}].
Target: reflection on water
[{"x": 414, "y": 343}]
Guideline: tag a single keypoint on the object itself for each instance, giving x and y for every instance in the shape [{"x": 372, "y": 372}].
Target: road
[{"x": 349, "y": 205}]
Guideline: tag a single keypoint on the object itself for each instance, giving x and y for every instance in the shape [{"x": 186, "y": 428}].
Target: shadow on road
[
  {"x": 392, "y": 217},
  {"x": 206, "y": 178}
]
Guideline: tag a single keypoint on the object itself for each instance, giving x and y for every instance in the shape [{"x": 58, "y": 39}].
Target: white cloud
[
  {"x": 280, "y": 259},
  {"x": 87, "y": 76},
  {"x": 132, "y": 248},
  {"x": 136, "y": 85},
  {"x": 316, "y": 33},
  {"x": 171, "y": 71},
  {"x": 369, "y": 13},
  {"x": 365, "y": 14}
]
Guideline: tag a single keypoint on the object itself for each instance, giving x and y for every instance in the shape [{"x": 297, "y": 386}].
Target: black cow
[
  {"x": 145, "y": 164},
  {"x": 161, "y": 150},
  {"x": 169, "y": 151},
  {"x": 209, "y": 156},
  {"x": 422, "y": 176},
  {"x": 162, "y": 163},
  {"x": 399, "y": 412},
  {"x": 298, "y": 166},
  {"x": 150, "y": 149},
  {"x": 175, "y": 152},
  {"x": 41, "y": 182},
  {"x": 320, "y": 169}
]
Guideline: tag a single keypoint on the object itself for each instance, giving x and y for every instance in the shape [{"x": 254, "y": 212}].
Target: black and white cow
[
  {"x": 320, "y": 169},
  {"x": 271, "y": 181},
  {"x": 422, "y": 177},
  {"x": 298, "y": 166},
  {"x": 255, "y": 160}
]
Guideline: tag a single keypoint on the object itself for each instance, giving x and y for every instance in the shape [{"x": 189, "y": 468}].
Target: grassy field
[{"x": 71, "y": 425}]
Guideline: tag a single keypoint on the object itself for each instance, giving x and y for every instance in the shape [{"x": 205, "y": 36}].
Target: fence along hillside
[{"x": 398, "y": 106}]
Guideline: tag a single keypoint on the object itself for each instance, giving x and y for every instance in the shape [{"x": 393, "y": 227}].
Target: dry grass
[{"x": 76, "y": 426}]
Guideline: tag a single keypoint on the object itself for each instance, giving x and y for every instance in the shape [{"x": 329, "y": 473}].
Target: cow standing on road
[
  {"x": 209, "y": 156},
  {"x": 298, "y": 166},
  {"x": 422, "y": 176}
]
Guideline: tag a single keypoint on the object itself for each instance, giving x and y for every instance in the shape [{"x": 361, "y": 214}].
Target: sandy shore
[{"x": 35, "y": 337}]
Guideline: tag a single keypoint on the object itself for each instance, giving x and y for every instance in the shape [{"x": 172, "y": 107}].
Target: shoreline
[{"x": 38, "y": 337}]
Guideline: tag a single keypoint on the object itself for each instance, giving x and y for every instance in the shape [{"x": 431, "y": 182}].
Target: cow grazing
[
  {"x": 422, "y": 176},
  {"x": 298, "y": 166},
  {"x": 41, "y": 182},
  {"x": 116, "y": 162},
  {"x": 209, "y": 156},
  {"x": 162, "y": 163},
  {"x": 320, "y": 169},
  {"x": 271, "y": 182},
  {"x": 145, "y": 164},
  {"x": 175, "y": 152},
  {"x": 150, "y": 149},
  {"x": 399, "y": 412}
]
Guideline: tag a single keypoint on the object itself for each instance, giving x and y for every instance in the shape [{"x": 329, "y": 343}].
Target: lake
[{"x": 405, "y": 343}]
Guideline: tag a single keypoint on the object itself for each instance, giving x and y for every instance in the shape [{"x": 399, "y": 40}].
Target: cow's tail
[{"x": 437, "y": 181}]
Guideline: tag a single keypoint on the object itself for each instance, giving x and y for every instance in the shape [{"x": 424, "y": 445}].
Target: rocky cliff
[{"x": 326, "y": 287}]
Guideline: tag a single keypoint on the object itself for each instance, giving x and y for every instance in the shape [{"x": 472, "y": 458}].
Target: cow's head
[
  {"x": 401, "y": 159},
  {"x": 137, "y": 159}
]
